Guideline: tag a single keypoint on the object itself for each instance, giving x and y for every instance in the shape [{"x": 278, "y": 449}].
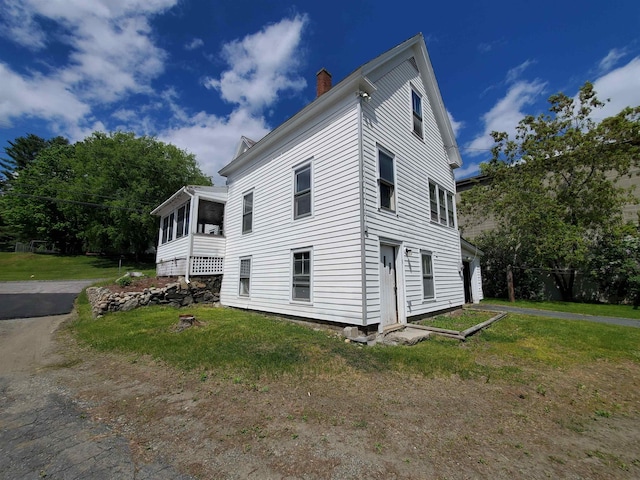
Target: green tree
[
  {"x": 552, "y": 188},
  {"x": 97, "y": 194},
  {"x": 24, "y": 150}
]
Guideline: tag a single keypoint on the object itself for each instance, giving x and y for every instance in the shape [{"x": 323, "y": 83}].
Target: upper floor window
[
  {"x": 441, "y": 205},
  {"x": 302, "y": 192},
  {"x": 386, "y": 181},
  {"x": 247, "y": 212},
  {"x": 416, "y": 102}
]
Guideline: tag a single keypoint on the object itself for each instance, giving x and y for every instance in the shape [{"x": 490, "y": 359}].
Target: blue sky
[{"x": 201, "y": 73}]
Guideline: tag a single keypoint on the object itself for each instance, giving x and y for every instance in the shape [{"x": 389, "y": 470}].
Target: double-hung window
[
  {"x": 428, "y": 291},
  {"x": 165, "y": 229},
  {"x": 183, "y": 221},
  {"x": 416, "y": 102},
  {"x": 301, "y": 278},
  {"x": 170, "y": 227},
  {"x": 247, "y": 213},
  {"x": 245, "y": 277},
  {"x": 386, "y": 181},
  {"x": 433, "y": 201},
  {"x": 441, "y": 205},
  {"x": 302, "y": 192}
]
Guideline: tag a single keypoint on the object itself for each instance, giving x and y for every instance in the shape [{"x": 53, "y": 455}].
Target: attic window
[{"x": 416, "y": 102}]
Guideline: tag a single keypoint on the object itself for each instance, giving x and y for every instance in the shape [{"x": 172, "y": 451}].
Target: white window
[
  {"x": 165, "y": 229},
  {"x": 428, "y": 291},
  {"x": 301, "y": 278},
  {"x": 245, "y": 277},
  {"x": 441, "y": 205},
  {"x": 433, "y": 201},
  {"x": 170, "y": 227},
  {"x": 182, "y": 228},
  {"x": 386, "y": 181},
  {"x": 302, "y": 192},
  {"x": 450, "y": 215},
  {"x": 416, "y": 102},
  {"x": 247, "y": 213}
]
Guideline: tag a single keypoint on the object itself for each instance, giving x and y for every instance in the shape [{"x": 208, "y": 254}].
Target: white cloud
[
  {"x": 515, "y": 73},
  {"x": 18, "y": 25},
  {"x": 193, "y": 44},
  {"x": 214, "y": 139},
  {"x": 614, "y": 55},
  {"x": 621, "y": 87},
  {"x": 457, "y": 126},
  {"x": 505, "y": 114},
  {"x": 262, "y": 65},
  {"x": 111, "y": 56}
]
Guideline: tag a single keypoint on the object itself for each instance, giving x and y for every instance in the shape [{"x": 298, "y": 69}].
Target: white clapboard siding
[
  {"x": 208, "y": 245},
  {"x": 388, "y": 124},
  {"x": 330, "y": 143},
  {"x": 176, "y": 248}
]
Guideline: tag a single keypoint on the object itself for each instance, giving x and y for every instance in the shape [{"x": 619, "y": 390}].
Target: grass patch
[
  {"x": 598, "y": 309},
  {"x": 458, "y": 321},
  {"x": 246, "y": 345},
  {"x": 32, "y": 266}
]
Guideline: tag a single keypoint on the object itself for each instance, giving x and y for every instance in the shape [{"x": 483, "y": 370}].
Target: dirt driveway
[{"x": 566, "y": 423}]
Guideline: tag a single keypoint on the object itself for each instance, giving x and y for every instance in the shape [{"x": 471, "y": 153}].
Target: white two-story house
[{"x": 344, "y": 213}]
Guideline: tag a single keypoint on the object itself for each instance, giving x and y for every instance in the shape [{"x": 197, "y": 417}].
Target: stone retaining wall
[{"x": 177, "y": 294}]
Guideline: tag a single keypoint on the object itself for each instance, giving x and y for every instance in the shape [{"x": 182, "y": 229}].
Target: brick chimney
[{"x": 323, "y": 82}]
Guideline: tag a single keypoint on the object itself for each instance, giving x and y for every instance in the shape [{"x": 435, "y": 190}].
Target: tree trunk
[{"x": 565, "y": 283}]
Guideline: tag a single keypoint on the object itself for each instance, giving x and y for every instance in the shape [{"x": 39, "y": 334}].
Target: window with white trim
[
  {"x": 301, "y": 278},
  {"x": 182, "y": 227},
  {"x": 302, "y": 192},
  {"x": 170, "y": 229},
  {"x": 428, "y": 290},
  {"x": 245, "y": 277},
  {"x": 386, "y": 181},
  {"x": 165, "y": 229},
  {"x": 416, "y": 102},
  {"x": 247, "y": 213},
  {"x": 441, "y": 205}
]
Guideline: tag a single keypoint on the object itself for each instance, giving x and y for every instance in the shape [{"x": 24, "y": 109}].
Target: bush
[{"x": 124, "y": 281}]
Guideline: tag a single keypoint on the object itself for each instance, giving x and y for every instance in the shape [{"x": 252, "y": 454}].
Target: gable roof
[{"x": 357, "y": 80}]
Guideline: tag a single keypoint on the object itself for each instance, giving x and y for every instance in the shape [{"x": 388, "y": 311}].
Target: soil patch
[{"x": 579, "y": 422}]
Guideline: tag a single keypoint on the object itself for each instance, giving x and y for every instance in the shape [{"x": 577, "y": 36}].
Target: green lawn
[
  {"x": 600, "y": 309},
  {"x": 31, "y": 266},
  {"x": 245, "y": 345}
]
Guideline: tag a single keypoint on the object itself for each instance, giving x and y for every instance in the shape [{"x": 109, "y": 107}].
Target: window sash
[
  {"x": 302, "y": 193},
  {"x": 386, "y": 181},
  {"x": 165, "y": 229},
  {"x": 433, "y": 201},
  {"x": 428, "y": 291},
  {"x": 443, "y": 206},
  {"x": 247, "y": 213},
  {"x": 245, "y": 277},
  {"x": 180, "y": 222},
  {"x": 416, "y": 102},
  {"x": 450, "y": 212},
  {"x": 301, "y": 278},
  {"x": 170, "y": 232}
]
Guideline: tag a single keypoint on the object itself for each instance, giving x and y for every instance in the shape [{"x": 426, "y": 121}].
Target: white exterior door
[{"x": 388, "y": 297}]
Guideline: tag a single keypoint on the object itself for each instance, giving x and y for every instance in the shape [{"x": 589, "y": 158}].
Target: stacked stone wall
[{"x": 177, "y": 294}]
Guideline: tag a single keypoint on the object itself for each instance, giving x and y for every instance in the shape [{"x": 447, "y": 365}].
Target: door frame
[{"x": 401, "y": 304}]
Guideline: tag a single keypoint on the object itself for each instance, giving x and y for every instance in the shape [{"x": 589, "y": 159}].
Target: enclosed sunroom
[{"x": 191, "y": 239}]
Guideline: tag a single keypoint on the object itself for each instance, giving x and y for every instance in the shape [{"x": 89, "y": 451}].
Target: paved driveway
[{"x": 39, "y": 298}]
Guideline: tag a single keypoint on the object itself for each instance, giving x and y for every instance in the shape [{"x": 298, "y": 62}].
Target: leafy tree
[
  {"x": 97, "y": 194},
  {"x": 552, "y": 188},
  {"x": 23, "y": 150},
  {"x": 615, "y": 264}
]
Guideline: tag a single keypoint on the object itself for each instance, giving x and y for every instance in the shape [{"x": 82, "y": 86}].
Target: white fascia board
[{"x": 169, "y": 201}]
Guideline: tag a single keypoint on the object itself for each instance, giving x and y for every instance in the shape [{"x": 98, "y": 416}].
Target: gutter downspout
[
  {"x": 363, "y": 219},
  {"x": 192, "y": 210}
]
